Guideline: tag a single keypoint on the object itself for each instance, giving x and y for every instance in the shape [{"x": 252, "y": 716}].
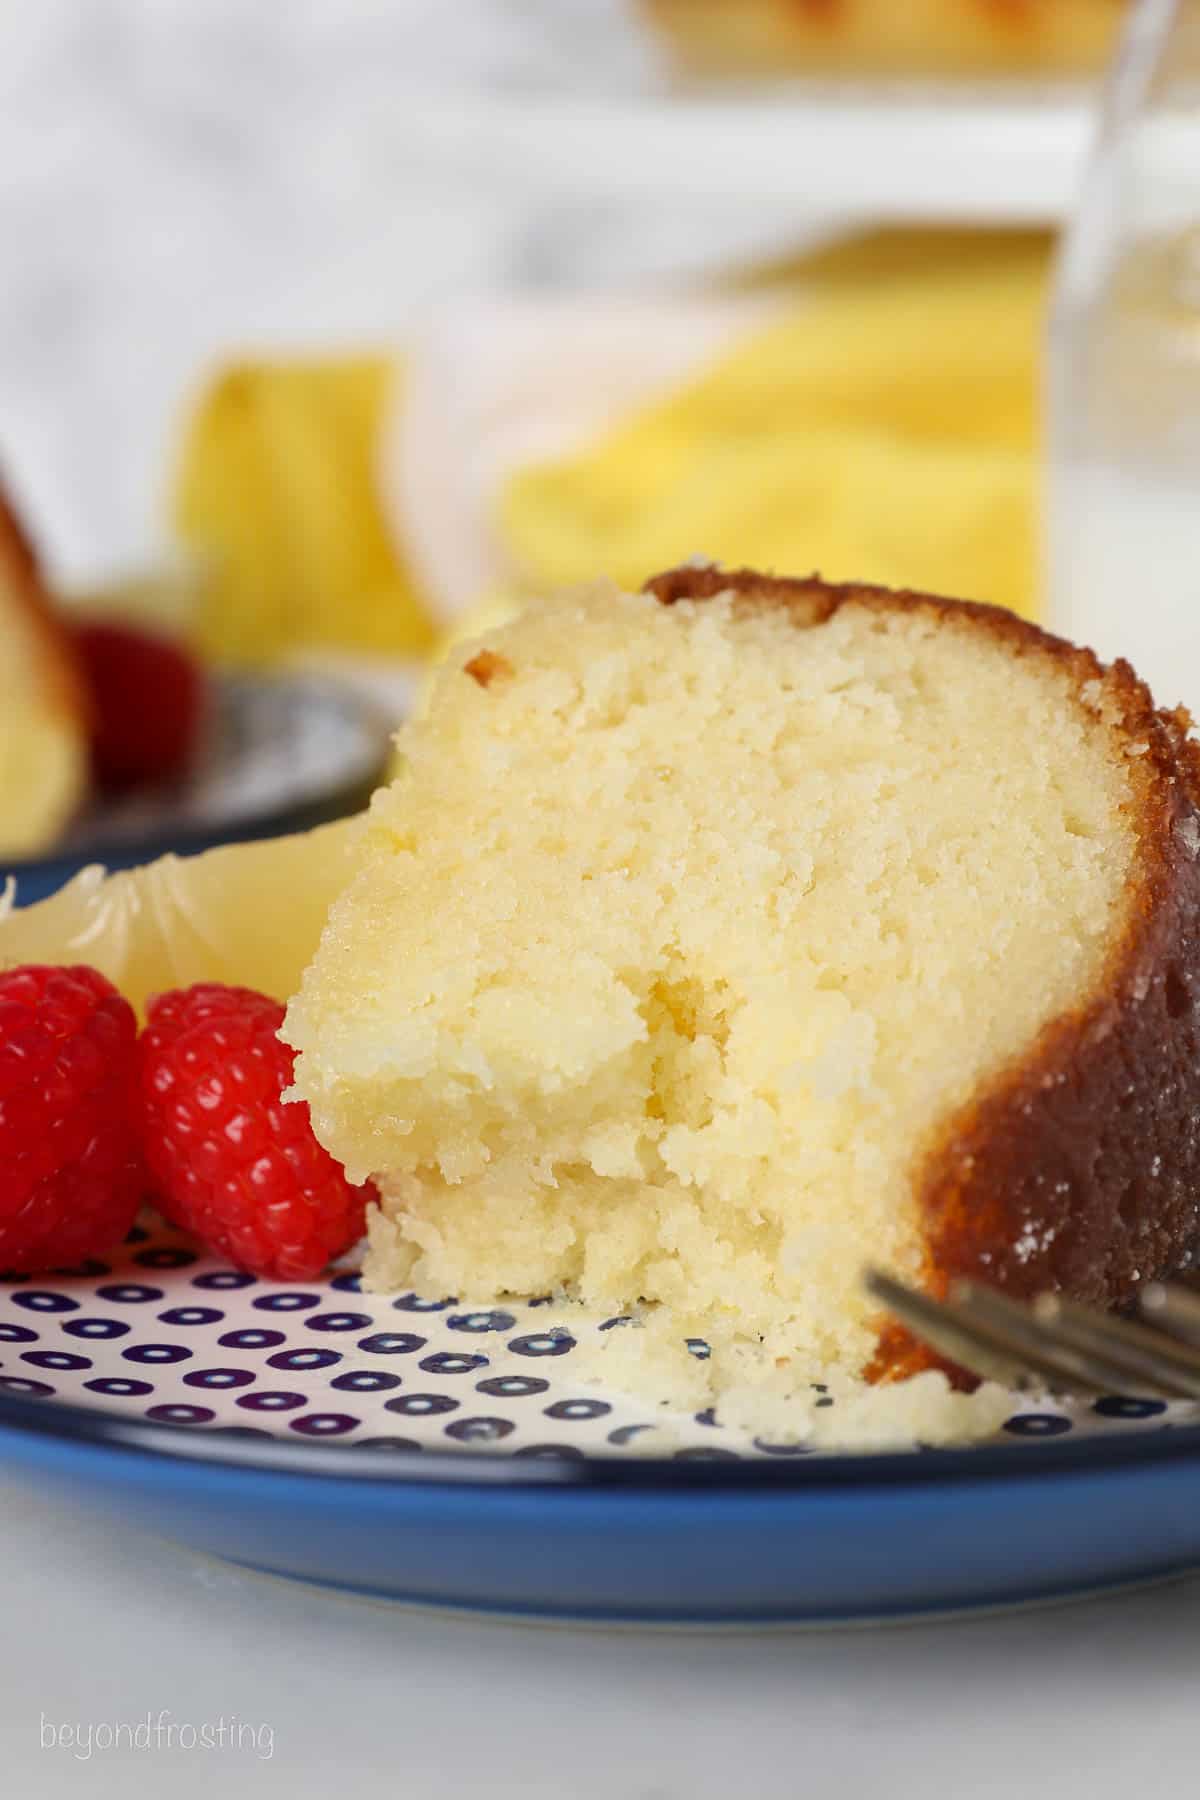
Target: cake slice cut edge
[{"x": 734, "y": 934}]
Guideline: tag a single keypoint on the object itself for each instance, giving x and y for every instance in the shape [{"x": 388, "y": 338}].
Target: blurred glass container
[{"x": 1123, "y": 513}]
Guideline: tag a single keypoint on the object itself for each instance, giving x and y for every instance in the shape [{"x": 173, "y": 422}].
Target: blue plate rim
[
  {"x": 32, "y": 1420},
  {"x": 278, "y": 821},
  {"x": 342, "y": 797}
]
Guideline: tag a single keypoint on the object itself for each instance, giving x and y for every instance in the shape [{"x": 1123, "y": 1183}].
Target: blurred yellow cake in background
[
  {"x": 275, "y": 499},
  {"x": 888, "y": 37},
  {"x": 867, "y": 387},
  {"x": 883, "y": 427},
  {"x": 43, "y": 706}
]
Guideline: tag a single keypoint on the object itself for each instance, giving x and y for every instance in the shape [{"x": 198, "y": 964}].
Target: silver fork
[{"x": 1056, "y": 1345}]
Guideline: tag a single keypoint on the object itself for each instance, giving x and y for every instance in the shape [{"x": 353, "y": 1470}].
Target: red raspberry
[
  {"x": 230, "y": 1161},
  {"x": 147, "y": 696},
  {"x": 70, "y": 1170}
]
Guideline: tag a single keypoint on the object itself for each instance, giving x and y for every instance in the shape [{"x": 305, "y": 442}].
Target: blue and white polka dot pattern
[{"x": 171, "y": 1335}]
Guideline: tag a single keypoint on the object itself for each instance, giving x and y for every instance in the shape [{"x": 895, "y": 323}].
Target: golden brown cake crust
[
  {"x": 487, "y": 666},
  {"x": 1077, "y": 1168},
  {"x": 21, "y": 577}
]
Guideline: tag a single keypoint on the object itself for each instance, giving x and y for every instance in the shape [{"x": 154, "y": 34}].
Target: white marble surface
[
  {"x": 340, "y": 1695},
  {"x": 183, "y": 178}
]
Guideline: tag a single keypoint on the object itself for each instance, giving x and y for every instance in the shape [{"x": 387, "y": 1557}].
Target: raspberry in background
[
  {"x": 229, "y": 1160},
  {"x": 70, "y": 1169},
  {"x": 147, "y": 703}
]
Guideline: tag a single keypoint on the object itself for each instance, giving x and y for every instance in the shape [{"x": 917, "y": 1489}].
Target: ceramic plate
[
  {"x": 278, "y": 754},
  {"x": 445, "y": 1453}
]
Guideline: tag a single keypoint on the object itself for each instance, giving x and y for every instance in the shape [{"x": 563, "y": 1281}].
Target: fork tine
[
  {"x": 1006, "y": 1345},
  {"x": 939, "y": 1326},
  {"x": 1173, "y": 1308},
  {"x": 1003, "y": 1348},
  {"x": 998, "y": 1337},
  {"x": 1181, "y": 1354},
  {"x": 1143, "y": 1356},
  {"x": 1093, "y": 1367},
  {"x": 1067, "y": 1367}
]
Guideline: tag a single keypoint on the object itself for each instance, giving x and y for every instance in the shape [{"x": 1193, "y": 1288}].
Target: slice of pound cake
[
  {"x": 718, "y": 940},
  {"x": 43, "y": 706}
]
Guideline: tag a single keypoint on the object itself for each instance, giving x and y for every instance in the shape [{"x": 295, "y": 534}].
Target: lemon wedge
[{"x": 248, "y": 914}]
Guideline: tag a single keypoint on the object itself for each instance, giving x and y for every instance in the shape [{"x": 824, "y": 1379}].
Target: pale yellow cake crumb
[
  {"x": 678, "y": 934},
  {"x": 774, "y": 1402}
]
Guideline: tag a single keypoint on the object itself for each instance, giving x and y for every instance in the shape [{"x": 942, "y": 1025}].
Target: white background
[
  {"x": 363, "y": 1699},
  {"x": 179, "y": 178}
]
